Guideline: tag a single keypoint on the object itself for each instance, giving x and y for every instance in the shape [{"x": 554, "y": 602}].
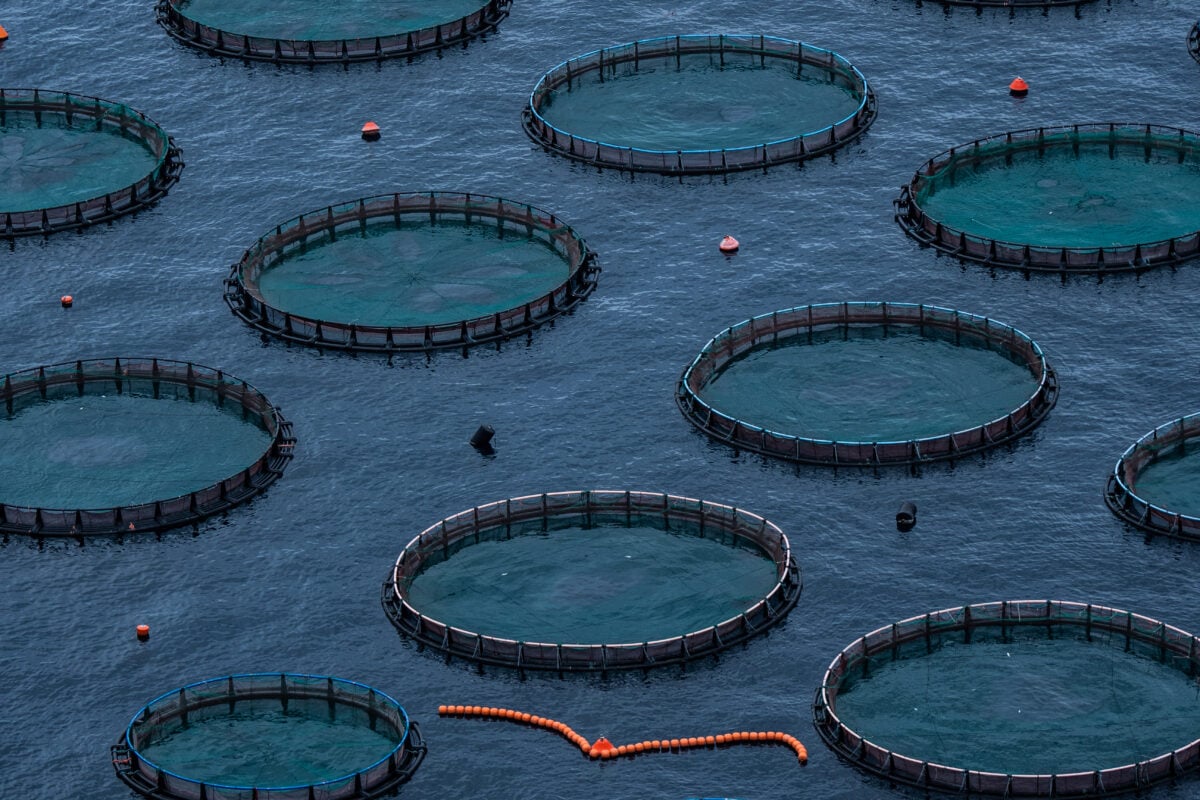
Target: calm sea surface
[{"x": 291, "y": 582}]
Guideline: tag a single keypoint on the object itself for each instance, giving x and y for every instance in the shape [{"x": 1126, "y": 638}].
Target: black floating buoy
[
  {"x": 482, "y": 439},
  {"x": 906, "y": 517}
]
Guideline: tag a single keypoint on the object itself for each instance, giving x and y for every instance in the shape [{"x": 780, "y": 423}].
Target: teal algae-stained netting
[
  {"x": 1172, "y": 480},
  {"x": 591, "y": 585},
  {"x": 55, "y": 164},
  {"x": 1135, "y": 192},
  {"x": 700, "y": 104},
  {"x": 859, "y": 385},
  {"x": 413, "y": 274},
  {"x": 320, "y": 20}
]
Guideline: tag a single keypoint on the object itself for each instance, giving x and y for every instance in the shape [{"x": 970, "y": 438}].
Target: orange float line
[{"x": 603, "y": 749}]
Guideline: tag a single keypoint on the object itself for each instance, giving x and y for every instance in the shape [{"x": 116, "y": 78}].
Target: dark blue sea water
[{"x": 292, "y": 581}]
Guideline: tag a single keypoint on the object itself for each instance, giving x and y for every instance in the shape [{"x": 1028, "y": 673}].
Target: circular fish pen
[
  {"x": 1156, "y": 482},
  {"x": 271, "y": 735},
  {"x": 666, "y": 579},
  {"x": 412, "y": 271},
  {"x": 116, "y": 446},
  {"x": 69, "y": 160},
  {"x": 700, "y": 104},
  {"x": 1092, "y": 198},
  {"x": 1020, "y": 698},
  {"x": 1193, "y": 41},
  {"x": 314, "y": 32},
  {"x": 867, "y": 384}
]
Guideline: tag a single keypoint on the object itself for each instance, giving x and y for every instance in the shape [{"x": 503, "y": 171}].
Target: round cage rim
[
  {"x": 127, "y": 759},
  {"x": 1030, "y": 256},
  {"x": 564, "y": 657},
  {"x": 247, "y": 303},
  {"x": 400, "y": 44},
  {"x": 159, "y": 514},
  {"x": 759, "y": 155},
  {"x": 109, "y": 205},
  {"x": 881, "y": 762},
  {"x": 1124, "y": 501},
  {"x": 830, "y": 452}
]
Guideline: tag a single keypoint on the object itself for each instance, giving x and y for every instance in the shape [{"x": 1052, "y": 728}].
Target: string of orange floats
[{"x": 602, "y": 748}]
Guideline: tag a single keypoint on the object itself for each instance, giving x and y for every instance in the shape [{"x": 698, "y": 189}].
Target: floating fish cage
[
  {"x": 1156, "y": 482},
  {"x": 700, "y": 104},
  {"x": 412, "y": 271},
  {"x": 1020, "y": 698},
  {"x": 116, "y": 446},
  {"x": 313, "y": 32},
  {"x": 270, "y": 736},
  {"x": 1092, "y": 198},
  {"x": 867, "y": 384},
  {"x": 1193, "y": 41},
  {"x": 592, "y": 581},
  {"x": 71, "y": 160}
]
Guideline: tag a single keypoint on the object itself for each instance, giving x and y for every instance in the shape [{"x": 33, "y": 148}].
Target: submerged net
[
  {"x": 113, "y": 446},
  {"x": 666, "y": 579},
  {"x": 867, "y": 383},
  {"x": 412, "y": 272},
  {"x": 271, "y": 735},
  {"x": 68, "y": 160},
  {"x": 697, "y": 104},
  {"x": 1193, "y": 41},
  {"x": 1085, "y": 197},
  {"x": 1018, "y": 698},
  {"x": 1156, "y": 482},
  {"x": 309, "y": 31}
]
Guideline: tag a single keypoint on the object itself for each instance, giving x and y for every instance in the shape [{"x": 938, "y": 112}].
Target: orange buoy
[
  {"x": 67, "y": 300},
  {"x": 729, "y": 245},
  {"x": 1018, "y": 87},
  {"x": 370, "y": 131},
  {"x": 143, "y": 632},
  {"x": 3, "y": 33}
]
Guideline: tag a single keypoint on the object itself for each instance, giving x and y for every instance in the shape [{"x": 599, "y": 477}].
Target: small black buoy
[
  {"x": 482, "y": 439},
  {"x": 906, "y": 517}
]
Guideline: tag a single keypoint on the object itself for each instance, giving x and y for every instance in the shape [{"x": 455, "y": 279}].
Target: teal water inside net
[
  {"x": 259, "y": 744},
  {"x": 858, "y": 385},
  {"x": 415, "y": 274},
  {"x": 1025, "y": 706},
  {"x": 700, "y": 105},
  {"x": 1062, "y": 199},
  {"x": 590, "y": 586},
  {"x": 105, "y": 451},
  {"x": 1172, "y": 481},
  {"x": 57, "y": 165},
  {"x": 319, "y": 20}
]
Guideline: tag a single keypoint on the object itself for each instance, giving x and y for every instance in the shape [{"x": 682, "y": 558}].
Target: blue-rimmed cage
[
  {"x": 246, "y": 301},
  {"x": 1053, "y": 619},
  {"x": 338, "y": 51},
  {"x": 803, "y": 321},
  {"x": 157, "y": 378},
  {"x": 734, "y": 47},
  {"x": 171, "y": 711},
  {"x": 82, "y": 111},
  {"x": 1145, "y": 140},
  {"x": 1122, "y": 497},
  {"x": 536, "y": 513}
]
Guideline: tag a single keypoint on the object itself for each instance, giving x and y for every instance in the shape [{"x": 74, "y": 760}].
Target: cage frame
[
  {"x": 159, "y": 514},
  {"x": 766, "y": 329},
  {"x": 1030, "y": 256},
  {"x": 1124, "y": 501},
  {"x": 379, "y": 779},
  {"x": 801, "y": 147},
  {"x": 561, "y": 657},
  {"x": 248, "y": 304},
  {"x": 404, "y": 44},
  {"x": 104, "y": 114},
  {"x": 1140, "y": 633}
]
